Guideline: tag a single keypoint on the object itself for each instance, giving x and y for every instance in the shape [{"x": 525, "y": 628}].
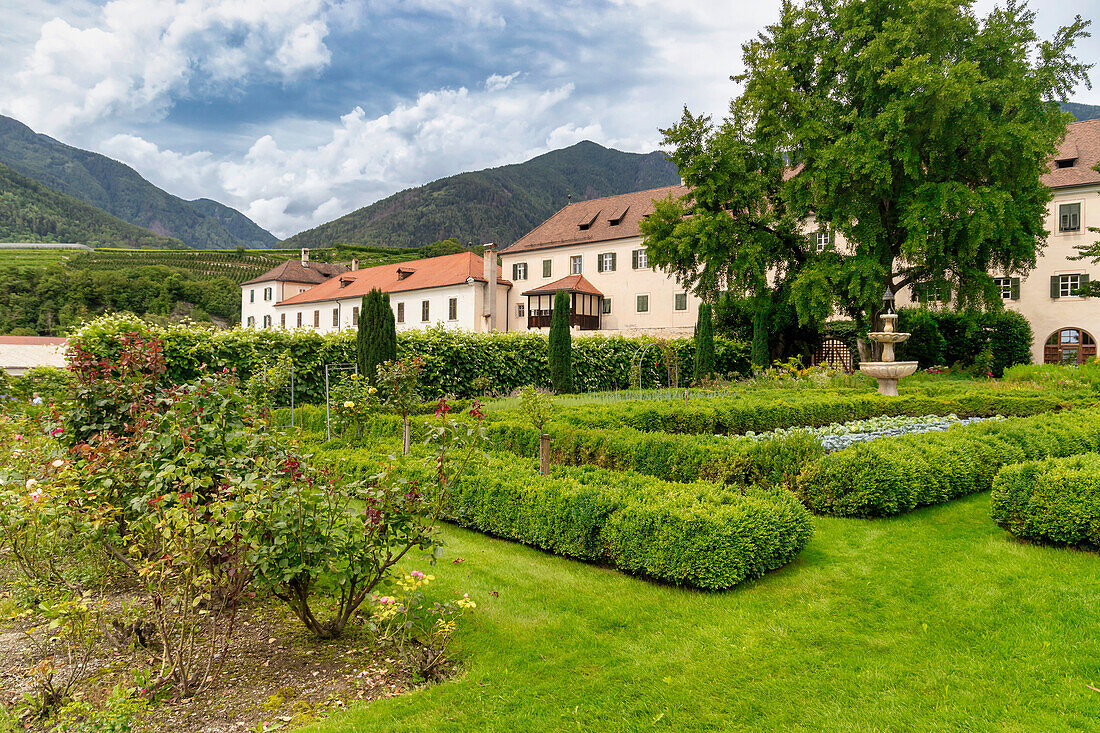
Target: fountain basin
[
  {"x": 888, "y": 337},
  {"x": 888, "y": 373}
]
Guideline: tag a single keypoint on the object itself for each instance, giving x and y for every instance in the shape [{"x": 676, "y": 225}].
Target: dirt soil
[{"x": 276, "y": 676}]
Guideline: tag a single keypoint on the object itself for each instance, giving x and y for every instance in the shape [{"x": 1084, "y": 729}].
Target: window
[
  {"x": 1009, "y": 287},
  {"x": 355, "y": 316},
  {"x": 546, "y": 268},
  {"x": 681, "y": 301},
  {"x": 316, "y": 319},
  {"x": 643, "y": 304},
  {"x": 252, "y": 295},
  {"x": 606, "y": 262},
  {"x": 400, "y": 312},
  {"x": 575, "y": 265},
  {"x": 519, "y": 271},
  {"x": 1069, "y": 346},
  {"x": 252, "y": 321},
  {"x": 267, "y": 293},
  {"x": 336, "y": 318},
  {"x": 823, "y": 239},
  {"x": 519, "y": 310},
  {"x": 299, "y": 319},
  {"x": 424, "y": 310},
  {"x": 605, "y": 306},
  {"x": 931, "y": 293},
  {"x": 1063, "y": 286},
  {"x": 452, "y": 309},
  {"x": 282, "y": 320},
  {"x": 267, "y": 321},
  {"x": 640, "y": 259},
  {"x": 1069, "y": 218}
]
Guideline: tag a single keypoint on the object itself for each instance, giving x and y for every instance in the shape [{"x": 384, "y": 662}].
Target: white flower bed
[{"x": 838, "y": 436}]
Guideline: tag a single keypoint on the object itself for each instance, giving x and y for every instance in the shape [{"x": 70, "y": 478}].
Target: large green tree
[
  {"x": 913, "y": 128},
  {"x": 918, "y": 131},
  {"x": 375, "y": 340}
]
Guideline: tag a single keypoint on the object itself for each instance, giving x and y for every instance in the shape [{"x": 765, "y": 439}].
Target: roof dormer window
[
  {"x": 587, "y": 222},
  {"x": 345, "y": 281},
  {"x": 1065, "y": 162},
  {"x": 617, "y": 219},
  {"x": 404, "y": 272}
]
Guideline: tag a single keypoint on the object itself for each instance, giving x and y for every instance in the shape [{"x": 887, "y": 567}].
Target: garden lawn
[{"x": 934, "y": 621}]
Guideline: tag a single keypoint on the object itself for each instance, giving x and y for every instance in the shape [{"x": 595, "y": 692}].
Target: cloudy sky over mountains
[{"x": 297, "y": 111}]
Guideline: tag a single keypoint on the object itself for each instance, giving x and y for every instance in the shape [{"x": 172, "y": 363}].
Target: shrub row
[
  {"x": 761, "y": 411},
  {"x": 502, "y": 361},
  {"x": 1057, "y": 500},
  {"x": 894, "y": 475},
  {"x": 993, "y": 341},
  {"x": 699, "y": 534}
]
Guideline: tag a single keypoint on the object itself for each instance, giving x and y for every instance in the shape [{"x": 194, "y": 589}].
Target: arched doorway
[{"x": 1069, "y": 346}]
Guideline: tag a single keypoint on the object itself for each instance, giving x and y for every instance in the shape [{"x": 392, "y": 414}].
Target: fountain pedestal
[{"x": 888, "y": 371}]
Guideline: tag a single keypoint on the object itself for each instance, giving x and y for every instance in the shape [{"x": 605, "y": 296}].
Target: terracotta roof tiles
[
  {"x": 1082, "y": 147},
  {"x": 292, "y": 271},
  {"x": 569, "y": 283}
]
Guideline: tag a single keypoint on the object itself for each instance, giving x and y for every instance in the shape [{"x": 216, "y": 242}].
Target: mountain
[
  {"x": 32, "y": 212},
  {"x": 120, "y": 191},
  {"x": 496, "y": 204},
  {"x": 1082, "y": 111},
  {"x": 237, "y": 224}
]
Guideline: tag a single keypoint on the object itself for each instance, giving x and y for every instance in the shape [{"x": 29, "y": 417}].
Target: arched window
[{"x": 1069, "y": 346}]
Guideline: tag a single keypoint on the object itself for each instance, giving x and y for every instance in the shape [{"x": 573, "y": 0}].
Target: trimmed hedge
[
  {"x": 452, "y": 359},
  {"x": 893, "y": 475},
  {"x": 763, "y": 411},
  {"x": 698, "y": 534},
  {"x": 1057, "y": 500}
]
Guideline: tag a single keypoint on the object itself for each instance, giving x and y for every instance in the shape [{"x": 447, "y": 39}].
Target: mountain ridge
[{"x": 123, "y": 192}]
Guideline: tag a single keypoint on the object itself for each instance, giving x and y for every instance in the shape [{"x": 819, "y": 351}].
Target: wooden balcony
[{"x": 541, "y": 319}]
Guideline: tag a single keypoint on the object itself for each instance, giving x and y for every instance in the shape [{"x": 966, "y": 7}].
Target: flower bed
[
  {"x": 839, "y": 436},
  {"x": 1057, "y": 500},
  {"x": 894, "y": 475}
]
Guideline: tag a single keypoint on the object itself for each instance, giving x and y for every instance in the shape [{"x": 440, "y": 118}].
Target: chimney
[
  {"x": 490, "y": 260},
  {"x": 305, "y": 257},
  {"x": 354, "y": 264}
]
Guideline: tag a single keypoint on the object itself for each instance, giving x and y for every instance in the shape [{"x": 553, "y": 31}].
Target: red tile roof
[
  {"x": 292, "y": 271},
  {"x": 591, "y": 221},
  {"x": 570, "y": 284},
  {"x": 431, "y": 272},
  {"x": 33, "y": 341},
  {"x": 1082, "y": 145}
]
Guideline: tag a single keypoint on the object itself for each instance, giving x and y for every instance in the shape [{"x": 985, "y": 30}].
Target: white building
[
  {"x": 260, "y": 294},
  {"x": 20, "y": 353},
  {"x": 451, "y": 291},
  {"x": 593, "y": 250}
]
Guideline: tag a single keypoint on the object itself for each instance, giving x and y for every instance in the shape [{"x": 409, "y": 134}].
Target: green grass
[{"x": 933, "y": 621}]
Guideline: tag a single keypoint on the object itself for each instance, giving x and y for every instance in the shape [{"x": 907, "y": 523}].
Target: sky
[{"x": 296, "y": 112}]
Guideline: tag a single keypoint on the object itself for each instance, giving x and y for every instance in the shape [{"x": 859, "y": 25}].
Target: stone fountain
[{"x": 888, "y": 371}]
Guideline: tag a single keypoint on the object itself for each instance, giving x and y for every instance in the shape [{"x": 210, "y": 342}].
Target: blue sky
[{"x": 298, "y": 111}]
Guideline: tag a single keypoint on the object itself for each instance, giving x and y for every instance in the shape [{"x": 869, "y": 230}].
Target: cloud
[{"x": 140, "y": 56}]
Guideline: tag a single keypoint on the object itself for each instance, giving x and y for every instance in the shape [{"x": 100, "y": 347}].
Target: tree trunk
[
  {"x": 761, "y": 352},
  {"x": 544, "y": 454},
  {"x": 406, "y": 438}
]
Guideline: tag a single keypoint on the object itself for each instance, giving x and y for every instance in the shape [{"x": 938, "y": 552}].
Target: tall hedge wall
[{"x": 453, "y": 359}]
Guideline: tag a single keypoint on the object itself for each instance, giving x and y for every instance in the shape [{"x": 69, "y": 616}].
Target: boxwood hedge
[
  {"x": 699, "y": 534},
  {"x": 894, "y": 475},
  {"x": 1056, "y": 500}
]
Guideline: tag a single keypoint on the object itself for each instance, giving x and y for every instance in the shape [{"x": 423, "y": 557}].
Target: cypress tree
[
  {"x": 704, "y": 344},
  {"x": 374, "y": 337},
  {"x": 389, "y": 353},
  {"x": 561, "y": 347},
  {"x": 362, "y": 335}
]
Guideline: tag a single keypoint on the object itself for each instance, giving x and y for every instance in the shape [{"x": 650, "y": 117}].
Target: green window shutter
[
  {"x": 634, "y": 259},
  {"x": 546, "y": 268},
  {"x": 1015, "y": 288},
  {"x": 599, "y": 263},
  {"x": 1084, "y": 282},
  {"x": 946, "y": 294},
  {"x": 515, "y": 271},
  {"x": 1054, "y": 286},
  {"x": 613, "y": 258},
  {"x": 918, "y": 292}
]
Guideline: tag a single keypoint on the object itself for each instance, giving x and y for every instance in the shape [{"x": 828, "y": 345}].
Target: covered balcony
[{"x": 585, "y": 303}]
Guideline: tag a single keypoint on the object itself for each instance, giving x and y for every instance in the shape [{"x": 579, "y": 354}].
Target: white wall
[
  {"x": 622, "y": 285},
  {"x": 16, "y": 359},
  {"x": 470, "y": 304},
  {"x": 255, "y": 306}
]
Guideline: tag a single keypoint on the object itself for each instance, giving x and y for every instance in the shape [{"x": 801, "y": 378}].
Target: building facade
[
  {"x": 449, "y": 291},
  {"x": 260, "y": 294},
  {"x": 593, "y": 250}
]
